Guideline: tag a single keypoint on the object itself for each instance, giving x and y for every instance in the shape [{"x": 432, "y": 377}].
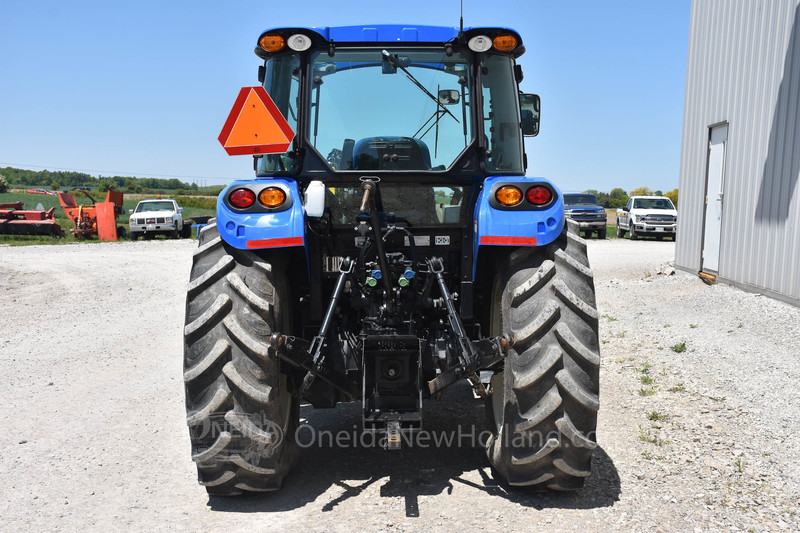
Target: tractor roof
[{"x": 389, "y": 33}]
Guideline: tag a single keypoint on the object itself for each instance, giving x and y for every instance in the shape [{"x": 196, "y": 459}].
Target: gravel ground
[{"x": 93, "y": 431}]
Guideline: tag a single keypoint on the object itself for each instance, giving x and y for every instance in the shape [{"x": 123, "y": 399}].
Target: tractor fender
[
  {"x": 257, "y": 228},
  {"x": 521, "y": 225}
]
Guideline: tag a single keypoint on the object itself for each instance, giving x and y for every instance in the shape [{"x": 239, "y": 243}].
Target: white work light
[
  {"x": 480, "y": 43},
  {"x": 299, "y": 42}
]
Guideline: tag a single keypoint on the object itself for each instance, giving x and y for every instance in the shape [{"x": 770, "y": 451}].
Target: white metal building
[{"x": 739, "y": 203}]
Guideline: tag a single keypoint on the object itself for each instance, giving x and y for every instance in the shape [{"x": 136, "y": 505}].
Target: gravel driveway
[{"x": 697, "y": 427}]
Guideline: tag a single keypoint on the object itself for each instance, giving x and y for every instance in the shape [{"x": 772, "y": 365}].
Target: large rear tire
[
  {"x": 240, "y": 409},
  {"x": 543, "y": 406}
]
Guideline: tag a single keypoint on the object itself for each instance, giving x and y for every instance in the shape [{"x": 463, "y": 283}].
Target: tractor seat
[{"x": 391, "y": 153}]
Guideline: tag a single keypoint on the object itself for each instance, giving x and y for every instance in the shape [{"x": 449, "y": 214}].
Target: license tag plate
[
  {"x": 420, "y": 240},
  {"x": 659, "y": 229}
]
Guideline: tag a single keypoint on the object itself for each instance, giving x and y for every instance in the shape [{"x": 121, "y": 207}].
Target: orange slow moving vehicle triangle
[{"x": 255, "y": 125}]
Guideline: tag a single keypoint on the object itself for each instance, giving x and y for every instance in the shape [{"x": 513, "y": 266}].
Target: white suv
[
  {"x": 153, "y": 217},
  {"x": 647, "y": 215}
]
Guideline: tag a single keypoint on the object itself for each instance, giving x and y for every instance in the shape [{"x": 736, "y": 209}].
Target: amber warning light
[{"x": 255, "y": 125}]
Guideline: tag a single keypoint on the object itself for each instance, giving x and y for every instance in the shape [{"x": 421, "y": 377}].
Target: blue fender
[
  {"x": 523, "y": 225},
  {"x": 260, "y": 230}
]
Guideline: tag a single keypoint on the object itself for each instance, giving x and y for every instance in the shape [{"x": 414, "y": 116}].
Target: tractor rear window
[
  {"x": 394, "y": 109},
  {"x": 404, "y": 204}
]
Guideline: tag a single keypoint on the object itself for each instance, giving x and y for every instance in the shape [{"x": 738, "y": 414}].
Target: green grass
[
  {"x": 647, "y": 380},
  {"x": 31, "y": 240},
  {"x": 611, "y": 233},
  {"x": 655, "y": 416},
  {"x": 650, "y": 457},
  {"x": 30, "y": 201},
  {"x": 680, "y": 387},
  {"x": 678, "y": 348},
  {"x": 653, "y": 437}
]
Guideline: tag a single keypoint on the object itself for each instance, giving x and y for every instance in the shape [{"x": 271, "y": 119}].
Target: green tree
[
  {"x": 335, "y": 158},
  {"x": 54, "y": 185},
  {"x": 105, "y": 185},
  {"x": 642, "y": 191},
  {"x": 618, "y": 193},
  {"x": 673, "y": 195},
  {"x": 616, "y": 198},
  {"x": 133, "y": 185},
  {"x": 3, "y": 184}
]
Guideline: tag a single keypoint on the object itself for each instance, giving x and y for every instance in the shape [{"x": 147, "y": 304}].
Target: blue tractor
[{"x": 392, "y": 248}]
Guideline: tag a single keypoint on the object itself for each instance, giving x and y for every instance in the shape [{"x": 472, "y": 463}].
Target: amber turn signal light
[
  {"x": 508, "y": 195},
  {"x": 272, "y": 42},
  {"x": 504, "y": 42},
  {"x": 272, "y": 197}
]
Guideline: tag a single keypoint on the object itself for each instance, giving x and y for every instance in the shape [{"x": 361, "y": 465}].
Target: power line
[{"x": 118, "y": 173}]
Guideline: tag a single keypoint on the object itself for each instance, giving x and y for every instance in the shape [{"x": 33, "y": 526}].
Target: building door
[{"x": 715, "y": 183}]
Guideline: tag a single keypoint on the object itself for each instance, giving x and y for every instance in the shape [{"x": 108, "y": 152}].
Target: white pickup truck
[
  {"x": 153, "y": 217},
  {"x": 647, "y": 215}
]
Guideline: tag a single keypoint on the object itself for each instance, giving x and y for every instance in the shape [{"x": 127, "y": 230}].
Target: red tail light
[
  {"x": 538, "y": 195},
  {"x": 242, "y": 198}
]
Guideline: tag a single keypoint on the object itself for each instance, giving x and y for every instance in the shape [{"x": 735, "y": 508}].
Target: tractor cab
[{"x": 421, "y": 101}]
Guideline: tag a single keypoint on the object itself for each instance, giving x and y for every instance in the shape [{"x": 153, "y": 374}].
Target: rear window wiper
[{"x": 388, "y": 57}]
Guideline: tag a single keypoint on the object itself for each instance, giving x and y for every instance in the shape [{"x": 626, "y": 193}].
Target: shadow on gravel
[{"x": 414, "y": 471}]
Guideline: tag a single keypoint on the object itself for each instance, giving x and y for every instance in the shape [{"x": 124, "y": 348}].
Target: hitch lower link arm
[
  {"x": 466, "y": 354},
  {"x": 316, "y": 350},
  {"x": 473, "y": 355}
]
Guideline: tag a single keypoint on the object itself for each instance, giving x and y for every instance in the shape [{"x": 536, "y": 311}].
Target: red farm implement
[
  {"x": 97, "y": 218},
  {"x": 17, "y": 221}
]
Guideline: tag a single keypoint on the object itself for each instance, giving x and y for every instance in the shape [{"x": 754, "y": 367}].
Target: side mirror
[
  {"x": 130, "y": 210},
  {"x": 530, "y": 110},
  {"x": 625, "y": 208},
  {"x": 449, "y": 96}
]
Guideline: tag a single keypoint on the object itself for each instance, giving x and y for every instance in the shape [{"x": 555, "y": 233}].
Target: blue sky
[{"x": 143, "y": 88}]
